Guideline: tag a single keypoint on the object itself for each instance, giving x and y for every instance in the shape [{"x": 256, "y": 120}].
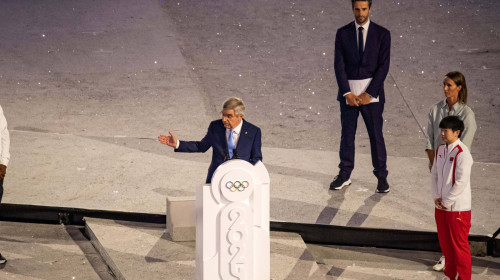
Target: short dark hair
[
  {"x": 452, "y": 122},
  {"x": 459, "y": 79},
  {"x": 369, "y": 2}
]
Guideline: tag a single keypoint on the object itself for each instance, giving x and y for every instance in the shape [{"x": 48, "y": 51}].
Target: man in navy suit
[
  {"x": 231, "y": 137},
  {"x": 362, "y": 57}
]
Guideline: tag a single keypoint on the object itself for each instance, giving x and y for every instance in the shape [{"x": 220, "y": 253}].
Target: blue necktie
[
  {"x": 230, "y": 144},
  {"x": 360, "y": 42}
]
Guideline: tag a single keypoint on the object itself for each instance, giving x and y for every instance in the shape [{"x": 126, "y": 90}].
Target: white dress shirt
[
  {"x": 4, "y": 140},
  {"x": 365, "y": 34}
]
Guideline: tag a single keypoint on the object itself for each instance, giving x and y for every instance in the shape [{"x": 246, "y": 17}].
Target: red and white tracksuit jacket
[
  {"x": 451, "y": 182},
  {"x": 451, "y": 176}
]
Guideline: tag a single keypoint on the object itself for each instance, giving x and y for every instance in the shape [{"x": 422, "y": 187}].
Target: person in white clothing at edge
[
  {"x": 454, "y": 104},
  {"x": 450, "y": 179},
  {"x": 4, "y": 158}
]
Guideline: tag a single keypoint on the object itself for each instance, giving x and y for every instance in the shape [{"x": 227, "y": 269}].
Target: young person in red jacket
[{"x": 452, "y": 198}]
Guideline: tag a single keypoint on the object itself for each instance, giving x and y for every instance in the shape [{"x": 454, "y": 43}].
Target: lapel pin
[{"x": 246, "y": 132}]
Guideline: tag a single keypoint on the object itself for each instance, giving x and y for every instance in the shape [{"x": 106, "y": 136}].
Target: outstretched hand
[{"x": 168, "y": 140}]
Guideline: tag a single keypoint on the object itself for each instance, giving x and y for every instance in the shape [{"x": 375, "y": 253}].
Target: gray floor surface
[
  {"x": 145, "y": 251},
  {"x": 41, "y": 251}
]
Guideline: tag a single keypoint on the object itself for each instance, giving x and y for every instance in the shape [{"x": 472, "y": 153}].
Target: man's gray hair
[{"x": 236, "y": 104}]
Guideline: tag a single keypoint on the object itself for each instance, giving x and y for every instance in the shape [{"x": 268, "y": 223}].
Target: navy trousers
[
  {"x": 1, "y": 189},
  {"x": 372, "y": 115}
]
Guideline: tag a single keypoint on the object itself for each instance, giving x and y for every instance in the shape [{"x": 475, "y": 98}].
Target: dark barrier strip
[
  {"x": 358, "y": 236},
  {"x": 496, "y": 233},
  {"x": 381, "y": 238},
  {"x": 311, "y": 233},
  {"x": 69, "y": 216},
  {"x": 494, "y": 245}
]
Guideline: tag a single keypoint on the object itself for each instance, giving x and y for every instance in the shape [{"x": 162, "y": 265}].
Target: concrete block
[
  {"x": 181, "y": 218},
  {"x": 478, "y": 249},
  {"x": 496, "y": 247}
]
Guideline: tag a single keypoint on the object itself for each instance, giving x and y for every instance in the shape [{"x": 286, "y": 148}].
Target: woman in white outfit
[{"x": 4, "y": 158}]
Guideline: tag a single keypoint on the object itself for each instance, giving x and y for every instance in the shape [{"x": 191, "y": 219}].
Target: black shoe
[
  {"x": 339, "y": 182},
  {"x": 383, "y": 186},
  {"x": 2, "y": 259}
]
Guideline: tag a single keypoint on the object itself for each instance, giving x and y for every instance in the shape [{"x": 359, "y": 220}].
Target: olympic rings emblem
[{"x": 237, "y": 186}]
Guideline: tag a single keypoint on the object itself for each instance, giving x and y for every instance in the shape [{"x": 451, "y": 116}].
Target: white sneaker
[{"x": 439, "y": 266}]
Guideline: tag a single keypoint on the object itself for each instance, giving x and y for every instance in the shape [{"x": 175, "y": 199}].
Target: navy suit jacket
[
  {"x": 248, "y": 147},
  {"x": 374, "y": 63}
]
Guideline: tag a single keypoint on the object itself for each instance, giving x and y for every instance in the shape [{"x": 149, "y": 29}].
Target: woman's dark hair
[{"x": 459, "y": 80}]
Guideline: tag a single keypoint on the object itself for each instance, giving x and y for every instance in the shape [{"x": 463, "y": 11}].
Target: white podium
[{"x": 232, "y": 223}]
